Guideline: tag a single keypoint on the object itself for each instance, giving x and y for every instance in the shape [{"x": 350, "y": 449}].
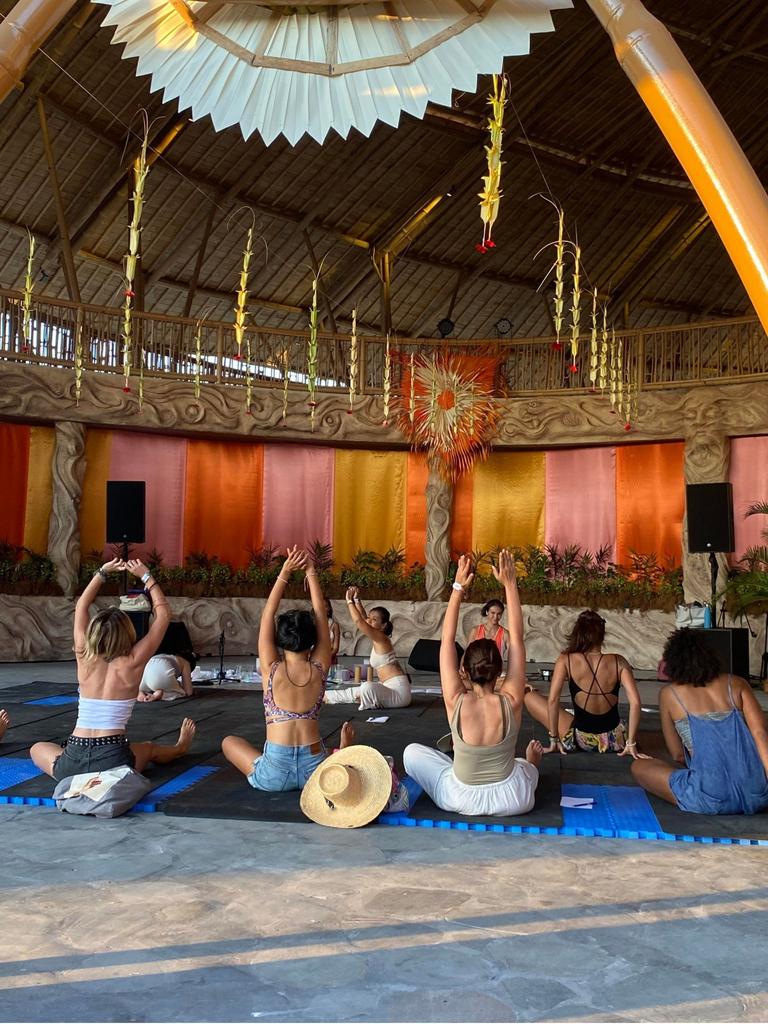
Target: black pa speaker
[
  {"x": 425, "y": 656},
  {"x": 125, "y": 511},
  {"x": 731, "y": 646},
  {"x": 710, "y": 517}
]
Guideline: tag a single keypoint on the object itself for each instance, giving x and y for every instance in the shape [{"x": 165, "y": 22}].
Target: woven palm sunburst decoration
[{"x": 447, "y": 411}]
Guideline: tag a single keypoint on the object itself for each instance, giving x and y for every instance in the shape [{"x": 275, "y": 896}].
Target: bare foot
[
  {"x": 534, "y": 753},
  {"x": 186, "y": 735},
  {"x": 5, "y": 721},
  {"x": 347, "y": 735}
]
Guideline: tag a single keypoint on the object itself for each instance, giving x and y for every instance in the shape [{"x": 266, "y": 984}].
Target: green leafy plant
[{"x": 747, "y": 589}]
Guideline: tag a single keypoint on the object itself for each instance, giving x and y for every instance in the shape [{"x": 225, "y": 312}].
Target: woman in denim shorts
[{"x": 293, "y": 692}]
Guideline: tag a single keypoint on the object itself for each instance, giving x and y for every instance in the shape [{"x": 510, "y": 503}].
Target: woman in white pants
[
  {"x": 166, "y": 677},
  {"x": 393, "y": 689},
  {"x": 485, "y": 777}
]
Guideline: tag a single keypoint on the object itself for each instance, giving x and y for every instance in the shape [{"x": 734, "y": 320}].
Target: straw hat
[{"x": 349, "y": 789}]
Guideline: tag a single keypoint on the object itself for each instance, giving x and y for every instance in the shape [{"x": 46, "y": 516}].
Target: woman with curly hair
[
  {"x": 595, "y": 680},
  {"x": 714, "y": 726}
]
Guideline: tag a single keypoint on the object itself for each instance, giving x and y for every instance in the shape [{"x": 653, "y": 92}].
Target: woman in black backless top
[{"x": 595, "y": 681}]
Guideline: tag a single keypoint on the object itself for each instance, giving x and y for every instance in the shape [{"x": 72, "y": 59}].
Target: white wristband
[
  {"x": 146, "y": 576},
  {"x": 350, "y": 602},
  {"x": 457, "y": 586}
]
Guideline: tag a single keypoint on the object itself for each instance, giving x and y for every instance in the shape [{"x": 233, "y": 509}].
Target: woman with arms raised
[
  {"x": 714, "y": 726},
  {"x": 110, "y": 664},
  {"x": 393, "y": 689},
  {"x": 595, "y": 680},
  {"x": 294, "y": 692},
  {"x": 484, "y": 777}
]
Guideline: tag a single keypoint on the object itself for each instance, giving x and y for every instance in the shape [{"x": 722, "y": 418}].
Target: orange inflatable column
[{"x": 699, "y": 137}]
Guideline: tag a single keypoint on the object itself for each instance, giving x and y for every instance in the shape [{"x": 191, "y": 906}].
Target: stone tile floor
[{"x": 167, "y": 919}]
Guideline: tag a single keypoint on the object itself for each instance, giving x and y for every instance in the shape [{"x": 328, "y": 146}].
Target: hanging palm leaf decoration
[
  {"x": 604, "y": 351},
  {"x": 140, "y": 172},
  {"x": 248, "y": 375},
  {"x": 575, "y": 307},
  {"x": 312, "y": 353},
  {"x": 455, "y": 414},
  {"x": 242, "y": 294},
  {"x": 490, "y": 197},
  {"x": 411, "y": 388},
  {"x": 353, "y": 361},
  {"x": 613, "y": 360},
  {"x": 387, "y": 380},
  {"x": 559, "y": 269},
  {"x": 198, "y": 355},
  {"x": 285, "y": 382},
  {"x": 78, "y": 357},
  {"x": 593, "y": 343},
  {"x": 29, "y": 285}
]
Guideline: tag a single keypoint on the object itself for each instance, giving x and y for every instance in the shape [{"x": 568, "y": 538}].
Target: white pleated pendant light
[{"x": 277, "y": 68}]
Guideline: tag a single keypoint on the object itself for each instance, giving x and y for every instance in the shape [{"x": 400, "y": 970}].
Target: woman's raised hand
[
  {"x": 506, "y": 572},
  {"x": 297, "y": 559},
  {"x": 134, "y": 566},
  {"x": 464, "y": 574},
  {"x": 352, "y": 594},
  {"x": 114, "y": 565}
]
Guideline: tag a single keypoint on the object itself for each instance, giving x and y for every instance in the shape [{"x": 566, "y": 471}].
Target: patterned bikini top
[{"x": 274, "y": 715}]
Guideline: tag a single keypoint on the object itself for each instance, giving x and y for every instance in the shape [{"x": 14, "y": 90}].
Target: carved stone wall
[
  {"x": 40, "y": 628},
  {"x": 438, "y": 546},
  {"x": 64, "y": 529},
  {"x": 707, "y": 460},
  {"x": 43, "y": 393}
]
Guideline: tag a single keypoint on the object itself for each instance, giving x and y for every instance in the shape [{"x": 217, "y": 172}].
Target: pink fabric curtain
[
  {"x": 581, "y": 498},
  {"x": 749, "y": 476},
  {"x": 298, "y": 495},
  {"x": 161, "y": 462}
]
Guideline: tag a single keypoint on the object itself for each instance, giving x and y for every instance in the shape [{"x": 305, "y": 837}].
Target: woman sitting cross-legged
[
  {"x": 713, "y": 724},
  {"x": 294, "y": 692},
  {"x": 393, "y": 690},
  {"x": 484, "y": 777},
  {"x": 110, "y": 663},
  {"x": 595, "y": 681}
]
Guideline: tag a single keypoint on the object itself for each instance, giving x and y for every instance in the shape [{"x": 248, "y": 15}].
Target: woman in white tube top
[
  {"x": 110, "y": 663},
  {"x": 393, "y": 689}
]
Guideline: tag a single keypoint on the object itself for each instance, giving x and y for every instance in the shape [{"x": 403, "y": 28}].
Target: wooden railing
[{"x": 724, "y": 350}]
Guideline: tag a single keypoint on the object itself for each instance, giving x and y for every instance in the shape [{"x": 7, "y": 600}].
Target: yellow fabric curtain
[
  {"x": 93, "y": 505},
  {"x": 508, "y": 500},
  {"x": 39, "y": 489},
  {"x": 369, "y": 502}
]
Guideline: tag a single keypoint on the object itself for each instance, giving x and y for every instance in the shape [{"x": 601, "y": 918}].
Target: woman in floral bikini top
[{"x": 294, "y": 692}]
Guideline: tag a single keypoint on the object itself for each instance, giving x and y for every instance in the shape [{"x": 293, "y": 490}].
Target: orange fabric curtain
[
  {"x": 14, "y": 458},
  {"x": 417, "y": 475},
  {"x": 93, "y": 504},
  {"x": 461, "y": 520},
  {"x": 650, "y": 501},
  {"x": 223, "y": 499}
]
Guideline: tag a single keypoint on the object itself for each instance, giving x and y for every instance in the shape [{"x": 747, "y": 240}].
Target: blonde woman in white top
[
  {"x": 110, "y": 663},
  {"x": 393, "y": 689}
]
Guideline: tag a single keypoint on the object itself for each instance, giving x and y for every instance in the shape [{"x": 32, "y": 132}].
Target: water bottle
[{"x": 708, "y": 616}]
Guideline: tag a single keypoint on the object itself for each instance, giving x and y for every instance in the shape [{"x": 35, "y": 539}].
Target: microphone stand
[{"x": 713, "y": 571}]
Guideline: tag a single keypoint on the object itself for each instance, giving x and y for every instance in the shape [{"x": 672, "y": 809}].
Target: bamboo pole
[
  {"x": 699, "y": 137},
  {"x": 23, "y": 30}
]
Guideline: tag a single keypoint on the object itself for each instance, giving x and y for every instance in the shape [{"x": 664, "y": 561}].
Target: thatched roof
[{"x": 585, "y": 136}]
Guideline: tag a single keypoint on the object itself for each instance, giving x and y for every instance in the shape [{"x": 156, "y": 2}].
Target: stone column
[
  {"x": 64, "y": 528},
  {"x": 438, "y": 548},
  {"x": 707, "y": 459}
]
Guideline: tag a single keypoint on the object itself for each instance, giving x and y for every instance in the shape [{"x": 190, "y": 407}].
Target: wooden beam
[
  {"x": 200, "y": 258},
  {"x": 70, "y": 273}
]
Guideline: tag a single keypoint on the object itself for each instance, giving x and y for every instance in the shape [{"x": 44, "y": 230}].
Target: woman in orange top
[{"x": 493, "y": 629}]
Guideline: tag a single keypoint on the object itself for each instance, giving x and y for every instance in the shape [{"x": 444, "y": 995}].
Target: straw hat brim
[{"x": 376, "y": 786}]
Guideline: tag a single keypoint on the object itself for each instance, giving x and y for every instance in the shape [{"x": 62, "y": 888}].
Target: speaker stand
[
  {"x": 222, "y": 675},
  {"x": 124, "y": 556},
  {"x": 713, "y": 571}
]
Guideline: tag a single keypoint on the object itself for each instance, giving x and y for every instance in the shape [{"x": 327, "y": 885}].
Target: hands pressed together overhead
[{"x": 133, "y": 565}]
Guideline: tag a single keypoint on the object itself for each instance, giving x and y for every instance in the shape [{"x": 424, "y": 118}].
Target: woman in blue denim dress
[
  {"x": 293, "y": 690},
  {"x": 712, "y": 725}
]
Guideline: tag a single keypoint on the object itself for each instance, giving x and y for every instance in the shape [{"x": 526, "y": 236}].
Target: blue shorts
[{"x": 280, "y": 768}]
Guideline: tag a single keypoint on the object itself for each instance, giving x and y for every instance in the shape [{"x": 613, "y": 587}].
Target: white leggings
[
  {"x": 433, "y": 771},
  {"x": 394, "y": 693}
]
